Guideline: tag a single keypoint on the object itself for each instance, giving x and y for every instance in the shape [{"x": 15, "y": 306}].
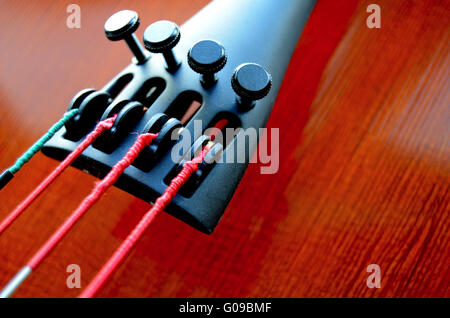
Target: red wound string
[
  {"x": 122, "y": 251},
  {"x": 100, "y": 188},
  {"x": 90, "y": 138}
]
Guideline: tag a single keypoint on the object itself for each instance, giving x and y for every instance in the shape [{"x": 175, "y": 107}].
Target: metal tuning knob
[
  {"x": 161, "y": 37},
  {"x": 207, "y": 57},
  {"x": 121, "y": 26},
  {"x": 250, "y": 82}
]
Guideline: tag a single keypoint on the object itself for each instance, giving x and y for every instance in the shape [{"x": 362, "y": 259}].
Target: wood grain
[{"x": 364, "y": 123}]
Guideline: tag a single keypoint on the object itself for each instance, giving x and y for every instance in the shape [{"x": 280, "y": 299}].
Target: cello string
[
  {"x": 100, "y": 188},
  {"x": 127, "y": 245},
  {"x": 90, "y": 138},
  {"x": 8, "y": 174}
]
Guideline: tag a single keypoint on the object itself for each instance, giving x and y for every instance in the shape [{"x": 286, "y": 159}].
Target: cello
[{"x": 357, "y": 183}]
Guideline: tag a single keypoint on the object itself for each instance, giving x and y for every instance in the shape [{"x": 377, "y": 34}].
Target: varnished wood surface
[{"x": 364, "y": 123}]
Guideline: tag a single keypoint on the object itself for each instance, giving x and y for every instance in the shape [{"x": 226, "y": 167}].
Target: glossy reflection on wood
[{"x": 363, "y": 176}]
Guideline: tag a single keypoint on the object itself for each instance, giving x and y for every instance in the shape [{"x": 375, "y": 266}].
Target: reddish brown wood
[{"x": 364, "y": 162}]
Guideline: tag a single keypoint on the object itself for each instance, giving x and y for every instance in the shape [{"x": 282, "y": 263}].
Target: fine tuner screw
[
  {"x": 121, "y": 26},
  {"x": 161, "y": 37},
  {"x": 250, "y": 82},
  {"x": 207, "y": 57}
]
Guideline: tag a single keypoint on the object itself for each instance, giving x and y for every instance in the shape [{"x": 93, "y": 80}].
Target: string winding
[
  {"x": 37, "y": 146},
  {"x": 124, "y": 249},
  {"x": 8, "y": 174},
  {"x": 99, "y": 189},
  {"x": 90, "y": 138}
]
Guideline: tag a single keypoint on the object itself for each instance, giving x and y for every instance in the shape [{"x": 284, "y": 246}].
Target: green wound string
[{"x": 8, "y": 174}]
